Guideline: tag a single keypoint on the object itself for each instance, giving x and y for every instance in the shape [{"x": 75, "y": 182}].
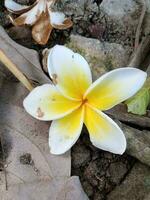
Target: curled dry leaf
[
  {"x": 40, "y": 16},
  {"x": 45, "y": 54}
]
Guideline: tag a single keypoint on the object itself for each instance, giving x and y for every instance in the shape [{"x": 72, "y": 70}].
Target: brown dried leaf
[
  {"x": 66, "y": 24},
  {"x": 42, "y": 29},
  {"x": 41, "y": 17}
]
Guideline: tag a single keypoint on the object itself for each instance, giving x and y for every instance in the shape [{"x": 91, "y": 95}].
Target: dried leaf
[
  {"x": 14, "y": 7},
  {"x": 29, "y": 164},
  {"x": 25, "y": 59},
  {"x": 42, "y": 29},
  {"x": 56, "y": 189},
  {"x": 40, "y": 16}
]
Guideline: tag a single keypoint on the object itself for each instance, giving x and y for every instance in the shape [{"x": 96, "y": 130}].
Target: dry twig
[
  {"x": 139, "y": 27},
  {"x": 140, "y": 53},
  {"x": 16, "y": 72},
  {"x": 120, "y": 112}
]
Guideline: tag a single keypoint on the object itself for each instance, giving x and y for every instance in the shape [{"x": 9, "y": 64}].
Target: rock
[
  {"x": 117, "y": 171},
  {"x": 147, "y": 197},
  {"x": 102, "y": 56},
  {"x": 90, "y": 173},
  {"x": 135, "y": 186},
  {"x": 99, "y": 196},
  {"x": 82, "y": 12},
  {"x": 138, "y": 143},
  {"x": 80, "y": 155},
  {"x": 119, "y": 9},
  {"x": 121, "y": 20},
  {"x": 105, "y": 174},
  {"x": 79, "y": 8}
]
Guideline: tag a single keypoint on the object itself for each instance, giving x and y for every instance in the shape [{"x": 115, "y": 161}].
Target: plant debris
[
  {"x": 40, "y": 16},
  {"x": 26, "y": 159}
]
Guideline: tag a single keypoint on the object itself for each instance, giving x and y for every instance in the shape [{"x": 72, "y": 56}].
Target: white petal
[
  {"x": 65, "y": 132},
  {"x": 47, "y": 103},
  {"x": 14, "y": 7},
  {"x": 56, "y": 18},
  {"x": 35, "y": 12},
  {"x": 104, "y": 132},
  {"x": 59, "y": 21},
  {"x": 115, "y": 87},
  {"x": 71, "y": 71}
]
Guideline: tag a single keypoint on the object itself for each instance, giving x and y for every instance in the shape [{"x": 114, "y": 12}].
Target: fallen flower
[
  {"x": 73, "y": 99},
  {"x": 40, "y": 16}
]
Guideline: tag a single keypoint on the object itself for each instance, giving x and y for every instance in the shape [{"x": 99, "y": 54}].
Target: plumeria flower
[
  {"x": 73, "y": 100},
  {"x": 40, "y": 16}
]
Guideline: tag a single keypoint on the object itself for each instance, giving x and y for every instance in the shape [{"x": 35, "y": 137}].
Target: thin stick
[
  {"x": 16, "y": 72},
  {"x": 138, "y": 31},
  {"x": 140, "y": 53}
]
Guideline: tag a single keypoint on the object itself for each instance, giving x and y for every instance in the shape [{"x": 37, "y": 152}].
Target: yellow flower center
[{"x": 84, "y": 101}]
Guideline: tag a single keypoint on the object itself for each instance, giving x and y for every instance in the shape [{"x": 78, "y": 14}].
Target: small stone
[
  {"x": 99, "y": 196},
  {"x": 101, "y": 184},
  {"x": 135, "y": 186},
  {"x": 108, "y": 186},
  {"x": 117, "y": 171},
  {"x": 91, "y": 172},
  {"x": 118, "y": 9},
  {"x": 108, "y": 155},
  {"x": 97, "y": 31},
  {"x": 79, "y": 8}
]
